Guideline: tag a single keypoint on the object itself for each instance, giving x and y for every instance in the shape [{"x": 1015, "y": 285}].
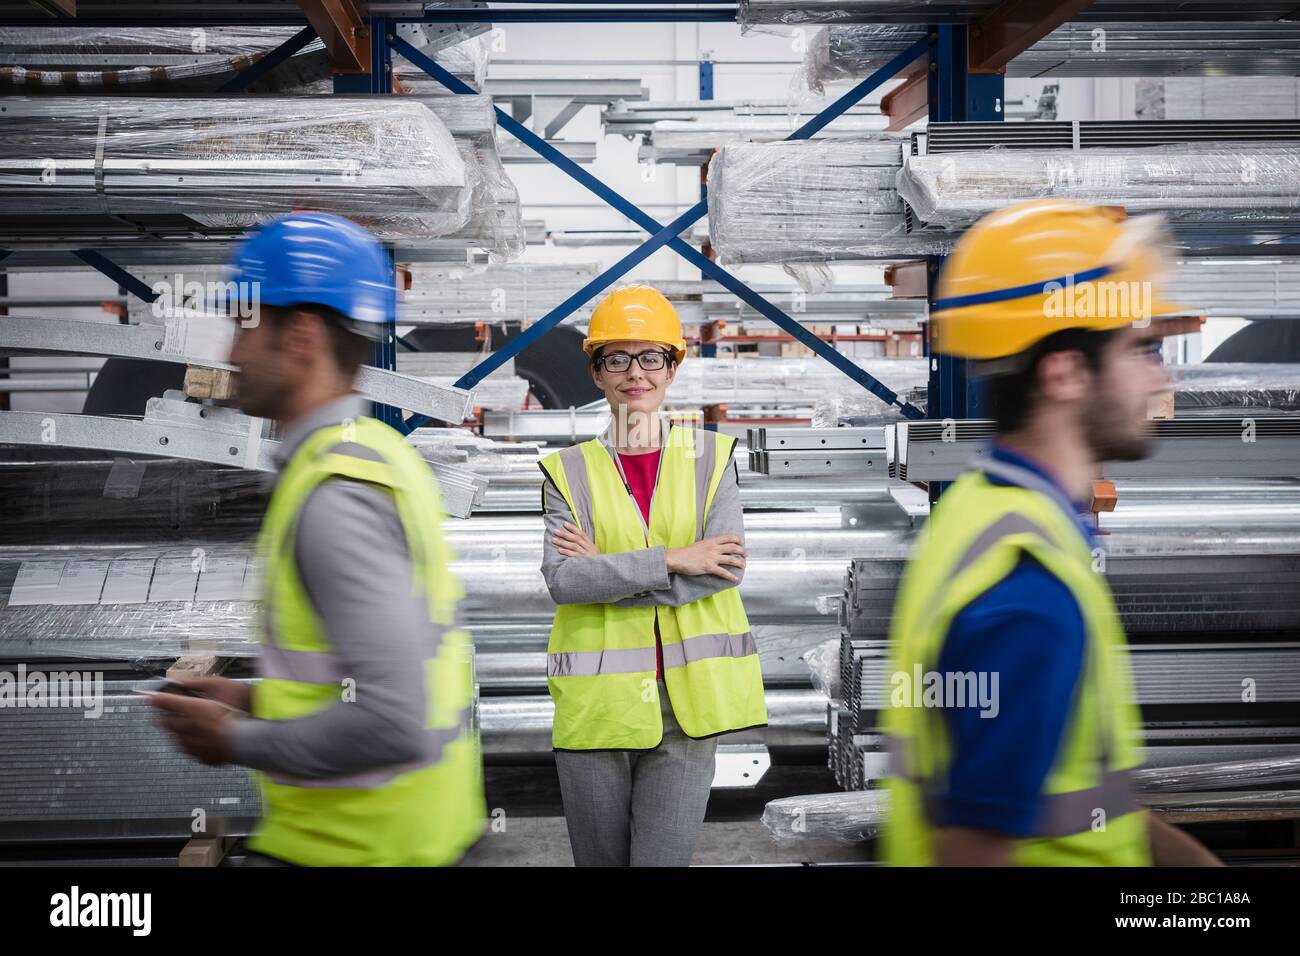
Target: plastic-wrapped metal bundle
[
  {"x": 1200, "y": 182},
  {"x": 809, "y": 201},
  {"x": 126, "y": 59},
  {"x": 849, "y": 52},
  {"x": 229, "y": 163},
  {"x": 853, "y": 52},
  {"x": 859, "y": 815},
  {"x": 518, "y": 292},
  {"x": 760, "y": 12},
  {"x": 83, "y": 60},
  {"x": 1237, "y": 385}
]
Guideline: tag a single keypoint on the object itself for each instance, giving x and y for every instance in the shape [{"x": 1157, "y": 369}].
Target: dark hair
[
  {"x": 348, "y": 349},
  {"x": 1011, "y": 396}
]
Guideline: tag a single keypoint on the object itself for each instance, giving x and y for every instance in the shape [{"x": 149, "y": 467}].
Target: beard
[
  {"x": 260, "y": 396},
  {"x": 1115, "y": 432}
]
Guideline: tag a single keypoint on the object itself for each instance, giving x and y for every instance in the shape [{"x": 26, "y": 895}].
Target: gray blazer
[{"x": 636, "y": 578}]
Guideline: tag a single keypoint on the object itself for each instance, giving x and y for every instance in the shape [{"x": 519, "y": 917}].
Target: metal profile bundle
[
  {"x": 119, "y": 776},
  {"x": 781, "y": 382},
  {"x": 175, "y": 428},
  {"x": 1206, "y": 176},
  {"x": 204, "y": 339},
  {"x": 1232, "y": 446},
  {"x": 807, "y": 452},
  {"x": 809, "y": 202},
  {"x": 687, "y": 133},
  {"x": 503, "y": 389},
  {"x": 702, "y": 301},
  {"x": 515, "y": 292},
  {"x": 222, "y": 165}
]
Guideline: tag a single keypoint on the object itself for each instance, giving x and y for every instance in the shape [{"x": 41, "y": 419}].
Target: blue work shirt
[{"x": 1028, "y": 629}]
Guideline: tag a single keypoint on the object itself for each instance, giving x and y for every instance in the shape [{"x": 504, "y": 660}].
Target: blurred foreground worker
[
  {"x": 1012, "y": 728},
  {"x": 650, "y": 655},
  {"x": 360, "y": 725}
]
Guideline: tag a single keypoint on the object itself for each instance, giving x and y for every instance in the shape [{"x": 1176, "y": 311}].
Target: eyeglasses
[{"x": 652, "y": 360}]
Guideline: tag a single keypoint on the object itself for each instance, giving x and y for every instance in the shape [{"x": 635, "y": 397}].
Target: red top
[{"x": 641, "y": 472}]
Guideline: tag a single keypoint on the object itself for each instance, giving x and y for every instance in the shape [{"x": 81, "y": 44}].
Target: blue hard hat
[{"x": 315, "y": 258}]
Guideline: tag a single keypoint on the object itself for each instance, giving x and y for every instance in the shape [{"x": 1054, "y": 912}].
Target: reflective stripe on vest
[
  {"x": 1059, "y": 814},
  {"x": 637, "y": 659},
  {"x": 575, "y": 473}
]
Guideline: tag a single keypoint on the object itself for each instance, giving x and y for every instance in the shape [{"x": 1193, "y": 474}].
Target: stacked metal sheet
[
  {"x": 1252, "y": 681},
  {"x": 809, "y": 202}
]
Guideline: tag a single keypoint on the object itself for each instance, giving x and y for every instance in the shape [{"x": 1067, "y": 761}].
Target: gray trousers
[{"x": 637, "y": 807}]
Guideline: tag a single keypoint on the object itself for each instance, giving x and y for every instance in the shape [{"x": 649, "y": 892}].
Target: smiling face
[{"x": 635, "y": 389}]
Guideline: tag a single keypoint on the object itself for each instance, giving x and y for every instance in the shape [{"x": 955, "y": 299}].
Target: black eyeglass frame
[{"x": 599, "y": 361}]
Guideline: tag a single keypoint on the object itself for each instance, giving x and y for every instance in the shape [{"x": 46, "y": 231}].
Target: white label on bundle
[
  {"x": 36, "y": 582},
  {"x": 124, "y": 479},
  {"x": 128, "y": 581},
  {"x": 81, "y": 583},
  {"x": 208, "y": 337},
  {"x": 222, "y": 579},
  {"x": 174, "y": 579}
]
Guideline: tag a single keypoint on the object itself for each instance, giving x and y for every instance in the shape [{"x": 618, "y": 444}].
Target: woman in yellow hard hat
[{"x": 650, "y": 655}]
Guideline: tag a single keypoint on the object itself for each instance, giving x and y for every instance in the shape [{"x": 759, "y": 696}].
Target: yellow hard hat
[
  {"x": 1035, "y": 268},
  {"x": 635, "y": 313}
]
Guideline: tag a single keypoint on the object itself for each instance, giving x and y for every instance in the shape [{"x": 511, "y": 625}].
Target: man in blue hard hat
[{"x": 359, "y": 728}]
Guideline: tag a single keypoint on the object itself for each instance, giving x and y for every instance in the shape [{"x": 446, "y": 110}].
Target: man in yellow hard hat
[
  {"x": 1058, "y": 303},
  {"x": 650, "y": 656}
]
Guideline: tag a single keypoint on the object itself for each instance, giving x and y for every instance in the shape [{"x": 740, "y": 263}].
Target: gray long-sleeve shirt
[
  {"x": 636, "y": 578},
  {"x": 353, "y": 560}
]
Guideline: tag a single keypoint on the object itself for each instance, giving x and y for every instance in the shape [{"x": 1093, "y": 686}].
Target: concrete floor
[{"x": 527, "y": 826}]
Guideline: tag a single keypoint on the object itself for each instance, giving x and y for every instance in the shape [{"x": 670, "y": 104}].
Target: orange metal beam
[
  {"x": 56, "y": 8},
  {"x": 910, "y": 280},
  {"x": 910, "y": 100},
  {"x": 345, "y": 34},
  {"x": 1012, "y": 27}
]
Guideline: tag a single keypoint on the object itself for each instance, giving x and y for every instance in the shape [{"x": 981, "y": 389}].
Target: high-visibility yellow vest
[
  {"x": 423, "y": 814},
  {"x": 601, "y": 659},
  {"x": 1088, "y": 812}
]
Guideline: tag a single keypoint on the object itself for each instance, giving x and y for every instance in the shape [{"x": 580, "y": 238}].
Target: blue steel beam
[
  {"x": 651, "y": 225},
  {"x": 102, "y": 264},
  {"x": 245, "y": 78}
]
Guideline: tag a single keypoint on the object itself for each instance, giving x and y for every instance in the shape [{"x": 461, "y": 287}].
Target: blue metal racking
[{"x": 954, "y": 94}]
